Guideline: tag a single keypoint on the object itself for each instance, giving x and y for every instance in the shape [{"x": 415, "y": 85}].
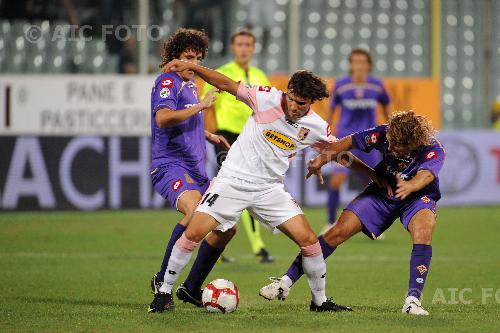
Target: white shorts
[{"x": 226, "y": 198}]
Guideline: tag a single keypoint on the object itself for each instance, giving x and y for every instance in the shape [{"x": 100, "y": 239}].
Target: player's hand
[
  {"x": 404, "y": 188},
  {"x": 219, "y": 140},
  {"x": 176, "y": 65},
  {"x": 314, "y": 168},
  {"x": 382, "y": 183},
  {"x": 209, "y": 99}
]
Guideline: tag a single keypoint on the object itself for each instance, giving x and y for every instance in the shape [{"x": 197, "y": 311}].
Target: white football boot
[
  {"x": 276, "y": 289},
  {"x": 414, "y": 307}
]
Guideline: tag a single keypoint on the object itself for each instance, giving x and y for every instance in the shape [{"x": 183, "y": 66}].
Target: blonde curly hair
[{"x": 409, "y": 130}]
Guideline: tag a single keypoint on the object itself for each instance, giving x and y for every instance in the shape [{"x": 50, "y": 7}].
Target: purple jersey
[
  {"x": 358, "y": 104},
  {"x": 182, "y": 144},
  {"x": 430, "y": 158}
]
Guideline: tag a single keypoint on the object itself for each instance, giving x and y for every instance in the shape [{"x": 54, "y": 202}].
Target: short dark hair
[
  {"x": 242, "y": 32},
  {"x": 362, "y": 52},
  {"x": 183, "y": 40},
  {"x": 308, "y": 86}
]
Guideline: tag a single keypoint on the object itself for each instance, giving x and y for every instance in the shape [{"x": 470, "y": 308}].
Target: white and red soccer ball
[{"x": 220, "y": 296}]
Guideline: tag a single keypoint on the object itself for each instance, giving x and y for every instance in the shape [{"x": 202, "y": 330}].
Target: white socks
[
  {"x": 287, "y": 281},
  {"x": 181, "y": 254},
  {"x": 314, "y": 266}
]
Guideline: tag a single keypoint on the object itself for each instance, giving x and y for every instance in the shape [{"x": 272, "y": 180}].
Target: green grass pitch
[{"x": 89, "y": 272}]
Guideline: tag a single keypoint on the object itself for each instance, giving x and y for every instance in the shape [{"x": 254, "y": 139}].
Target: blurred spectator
[
  {"x": 495, "y": 115},
  {"x": 128, "y": 56},
  {"x": 212, "y": 16},
  {"x": 261, "y": 15},
  {"x": 36, "y": 10}
]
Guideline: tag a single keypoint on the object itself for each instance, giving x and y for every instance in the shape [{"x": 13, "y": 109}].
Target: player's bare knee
[{"x": 194, "y": 235}]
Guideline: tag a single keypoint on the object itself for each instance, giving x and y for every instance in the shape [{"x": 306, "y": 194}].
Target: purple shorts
[
  {"x": 378, "y": 212},
  {"x": 371, "y": 159},
  {"x": 171, "y": 181}
]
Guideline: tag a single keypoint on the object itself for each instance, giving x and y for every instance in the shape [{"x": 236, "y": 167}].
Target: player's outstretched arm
[
  {"x": 216, "y": 139},
  {"x": 166, "y": 117},
  {"x": 330, "y": 153},
  {"x": 216, "y": 79}
]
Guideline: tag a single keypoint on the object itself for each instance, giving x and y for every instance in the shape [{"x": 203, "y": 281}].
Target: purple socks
[
  {"x": 419, "y": 268},
  {"x": 205, "y": 261}
]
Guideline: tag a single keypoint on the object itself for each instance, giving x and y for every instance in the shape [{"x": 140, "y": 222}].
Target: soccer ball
[{"x": 220, "y": 296}]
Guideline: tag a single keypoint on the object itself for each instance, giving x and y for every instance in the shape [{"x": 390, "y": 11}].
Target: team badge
[
  {"x": 167, "y": 83},
  {"x": 188, "y": 178},
  {"x": 372, "y": 139},
  {"x": 402, "y": 166},
  {"x": 164, "y": 93},
  {"x": 177, "y": 185},
  {"x": 431, "y": 155},
  {"x": 265, "y": 88},
  {"x": 421, "y": 269},
  {"x": 303, "y": 133},
  {"x": 425, "y": 199}
]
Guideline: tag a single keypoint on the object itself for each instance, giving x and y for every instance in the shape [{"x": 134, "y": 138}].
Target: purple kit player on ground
[
  {"x": 405, "y": 185},
  {"x": 178, "y": 148},
  {"x": 357, "y": 96}
]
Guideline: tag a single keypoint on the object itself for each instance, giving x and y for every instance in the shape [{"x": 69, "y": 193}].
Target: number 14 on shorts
[{"x": 209, "y": 198}]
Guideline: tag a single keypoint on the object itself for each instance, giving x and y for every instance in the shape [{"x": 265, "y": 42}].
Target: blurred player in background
[
  {"x": 356, "y": 95},
  {"x": 252, "y": 175},
  {"x": 406, "y": 186},
  {"x": 231, "y": 116},
  {"x": 178, "y": 146}
]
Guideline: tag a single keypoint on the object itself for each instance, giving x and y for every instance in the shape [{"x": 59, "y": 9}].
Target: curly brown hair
[
  {"x": 410, "y": 130},
  {"x": 184, "y": 40},
  {"x": 307, "y": 85}
]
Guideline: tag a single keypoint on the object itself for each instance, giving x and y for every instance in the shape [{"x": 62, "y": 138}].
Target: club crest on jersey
[
  {"x": 167, "y": 83},
  {"x": 421, "y": 269},
  {"x": 279, "y": 140},
  {"x": 425, "y": 199},
  {"x": 372, "y": 139},
  {"x": 164, "y": 93},
  {"x": 188, "y": 178},
  {"x": 431, "y": 155},
  {"x": 303, "y": 133},
  {"x": 265, "y": 88}
]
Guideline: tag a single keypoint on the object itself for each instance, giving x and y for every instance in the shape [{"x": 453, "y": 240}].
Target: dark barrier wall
[{"x": 75, "y": 173}]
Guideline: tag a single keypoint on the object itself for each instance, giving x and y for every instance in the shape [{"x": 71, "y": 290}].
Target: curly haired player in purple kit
[
  {"x": 178, "y": 151},
  {"x": 405, "y": 185}
]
